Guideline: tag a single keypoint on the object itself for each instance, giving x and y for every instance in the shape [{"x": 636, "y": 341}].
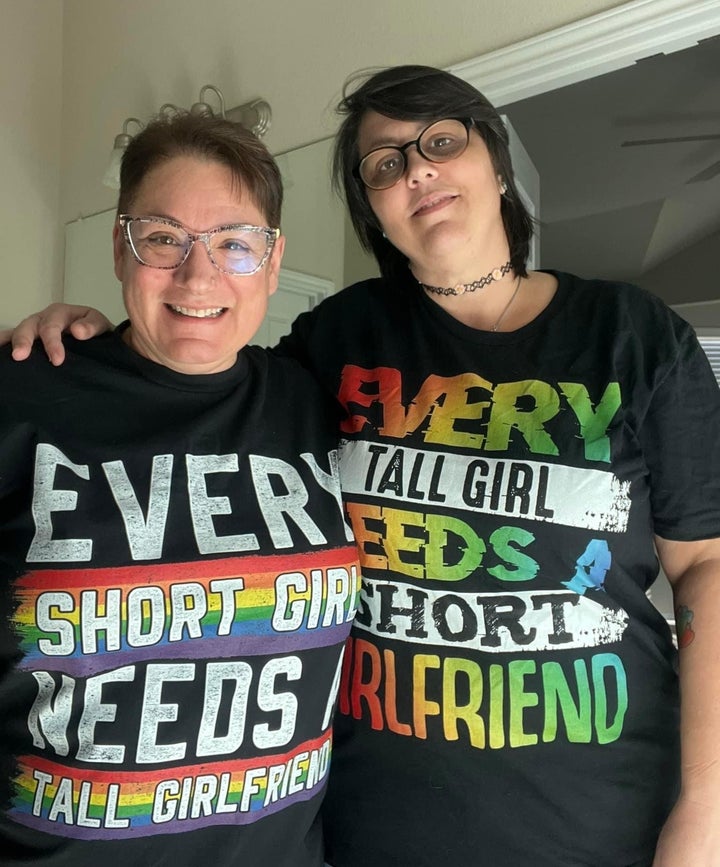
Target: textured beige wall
[{"x": 30, "y": 145}]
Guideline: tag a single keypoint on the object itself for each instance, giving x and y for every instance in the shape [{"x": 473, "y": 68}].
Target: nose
[
  {"x": 417, "y": 166},
  {"x": 197, "y": 273}
]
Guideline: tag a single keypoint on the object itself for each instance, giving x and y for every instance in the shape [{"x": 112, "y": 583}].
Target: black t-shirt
[
  {"x": 509, "y": 693},
  {"x": 177, "y": 585}
]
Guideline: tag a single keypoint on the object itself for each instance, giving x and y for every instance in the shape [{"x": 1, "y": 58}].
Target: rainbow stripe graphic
[
  {"x": 84, "y": 621},
  {"x": 89, "y": 804}
]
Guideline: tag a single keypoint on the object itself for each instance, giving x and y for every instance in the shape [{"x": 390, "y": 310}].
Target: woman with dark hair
[
  {"x": 517, "y": 446},
  {"x": 417, "y": 93}
]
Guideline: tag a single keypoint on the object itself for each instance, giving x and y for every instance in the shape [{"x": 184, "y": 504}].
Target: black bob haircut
[{"x": 421, "y": 93}]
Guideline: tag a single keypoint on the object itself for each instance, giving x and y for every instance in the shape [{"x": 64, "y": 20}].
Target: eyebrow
[
  {"x": 226, "y": 225},
  {"x": 391, "y": 142},
  {"x": 422, "y": 125},
  {"x": 380, "y": 143}
]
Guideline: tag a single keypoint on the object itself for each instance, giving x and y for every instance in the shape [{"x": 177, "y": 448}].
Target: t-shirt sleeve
[
  {"x": 295, "y": 344},
  {"x": 681, "y": 443},
  {"x": 313, "y": 342}
]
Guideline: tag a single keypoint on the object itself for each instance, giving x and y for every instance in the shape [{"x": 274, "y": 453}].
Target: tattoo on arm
[{"x": 683, "y": 623}]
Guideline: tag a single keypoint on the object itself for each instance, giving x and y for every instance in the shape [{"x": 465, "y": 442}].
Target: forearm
[
  {"x": 697, "y": 611},
  {"x": 691, "y": 834}
]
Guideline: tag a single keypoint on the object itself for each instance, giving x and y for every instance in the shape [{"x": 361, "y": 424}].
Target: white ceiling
[{"x": 619, "y": 212}]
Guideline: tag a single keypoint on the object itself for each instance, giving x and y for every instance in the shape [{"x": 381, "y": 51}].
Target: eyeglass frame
[
  {"x": 272, "y": 234},
  {"x": 467, "y": 122}
]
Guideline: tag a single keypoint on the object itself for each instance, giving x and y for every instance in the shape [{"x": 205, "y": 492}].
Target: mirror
[{"x": 321, "y": 253}]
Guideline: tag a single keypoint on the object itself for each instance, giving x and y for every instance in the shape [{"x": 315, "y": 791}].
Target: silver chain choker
[{"x": 462, "y": 288}]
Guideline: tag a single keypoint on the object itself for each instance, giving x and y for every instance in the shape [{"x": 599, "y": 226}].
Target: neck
[
  {"x": 496, "y": 273},
  {"x": 494, "y": 307},
  {"x": 449, "y": 262}
]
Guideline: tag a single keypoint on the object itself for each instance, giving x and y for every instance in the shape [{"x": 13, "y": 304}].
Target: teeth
[{"x": 209, "y": 312}]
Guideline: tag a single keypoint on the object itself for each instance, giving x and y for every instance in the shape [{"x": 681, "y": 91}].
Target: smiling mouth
[{"x": 203, "y": 313}]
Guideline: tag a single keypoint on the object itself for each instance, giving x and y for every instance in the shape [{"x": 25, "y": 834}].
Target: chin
[
  {"x": 444, "y": 240},
  {"x": 196, "y": 358}
]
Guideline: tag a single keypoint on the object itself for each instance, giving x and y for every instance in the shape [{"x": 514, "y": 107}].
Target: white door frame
[
  {"x": 593, "y": 46},
  {"x": 315, "y": 288}
]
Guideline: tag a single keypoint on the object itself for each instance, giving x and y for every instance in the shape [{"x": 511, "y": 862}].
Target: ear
[
  {"x": 119, "y": 250},
  {"x": 273, "y": 265}
]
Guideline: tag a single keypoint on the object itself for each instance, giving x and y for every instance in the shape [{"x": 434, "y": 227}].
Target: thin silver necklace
[
  {"x": 507, "y": 306},
  {"x": 462, "y": 288},
  {"x": 493, "y": 276}
]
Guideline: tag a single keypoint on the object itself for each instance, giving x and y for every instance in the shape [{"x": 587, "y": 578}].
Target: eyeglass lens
[
  {"x": 163, "y": 245},
  {"x": 442, "y": 141}
]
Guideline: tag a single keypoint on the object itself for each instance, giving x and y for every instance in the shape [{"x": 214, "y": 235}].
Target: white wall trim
[
  {"x": 305, "y": 284},
  {"x": 602, "y": 43},
  {"x": 709, "y": 303},
  {"x": 704, "y": 316}
]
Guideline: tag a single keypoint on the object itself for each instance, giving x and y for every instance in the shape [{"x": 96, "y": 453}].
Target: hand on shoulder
[{"x": 49, "y": 324}]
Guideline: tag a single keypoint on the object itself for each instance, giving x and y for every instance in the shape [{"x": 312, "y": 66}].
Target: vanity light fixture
[
  {"x": 169, "y": 109},
  {"x": 204, "y": 109},
  {"x": 111, "y": 177},
  {"x": 255, "y": 116}
]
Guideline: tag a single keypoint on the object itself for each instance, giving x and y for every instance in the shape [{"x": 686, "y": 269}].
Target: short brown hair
[{"x": 212, "y": 138}]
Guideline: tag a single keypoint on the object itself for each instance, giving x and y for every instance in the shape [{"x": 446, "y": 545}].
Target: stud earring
[{"x": 503, "y": 187}]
